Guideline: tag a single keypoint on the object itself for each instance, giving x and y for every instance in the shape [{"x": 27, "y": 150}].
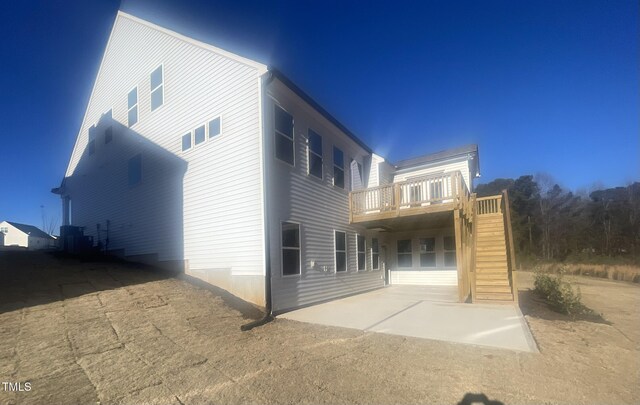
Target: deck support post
[
  {"x": 397, "y": 197},
  {"x": 459, "y": 255}
]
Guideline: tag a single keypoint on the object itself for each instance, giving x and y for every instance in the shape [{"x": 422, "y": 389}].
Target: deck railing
[
  {"x": 489, "y": 205},
  {"x": 416, "y": 192},
  {"x": 511, "y": 254}
]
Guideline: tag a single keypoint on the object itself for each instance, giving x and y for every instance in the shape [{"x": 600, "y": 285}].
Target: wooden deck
[
  {"x": 484, "y": 242},
  {"x": 419, "y": 196}
]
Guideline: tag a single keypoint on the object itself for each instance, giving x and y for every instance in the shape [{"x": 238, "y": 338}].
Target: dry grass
[{"x": 613, "y": 272}]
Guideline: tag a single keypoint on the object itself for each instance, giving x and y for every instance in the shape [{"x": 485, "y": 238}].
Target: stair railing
[
  {"x": 473, "y": 203},
  {"x": 511, "y": 256}
]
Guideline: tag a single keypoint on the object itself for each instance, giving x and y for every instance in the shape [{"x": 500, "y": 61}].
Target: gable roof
[
  {"x": 204, "y": 45},
  {"x": 261, "y": 68},
  {"x": 30, "y": 230},
  {"x": 461, "y": 151}
]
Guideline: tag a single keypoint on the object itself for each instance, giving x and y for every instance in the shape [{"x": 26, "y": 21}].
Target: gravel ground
[{"x": 112, "y": 333}]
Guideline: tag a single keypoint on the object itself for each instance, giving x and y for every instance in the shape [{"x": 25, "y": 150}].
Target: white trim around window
[
  {"x": 133, "y": 108},
  {"x": 375, "y": 254},
  {"x": 361, "y": 252},
  {"x": 339, "y": 252},
  {"x": 284, "y": 142},
  {"x": 153, "y": 89},
  {"x": 290, "y": 247},
  {"x": 315, "y": 163}
]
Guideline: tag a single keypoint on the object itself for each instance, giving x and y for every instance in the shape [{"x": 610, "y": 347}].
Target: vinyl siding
[
  {"x": 461, "y": 164},
  {"x": 14, "y": 236},
  {"x": 204, "y": 205},
  {"x": 386, "y": 171},
  {"x": 317, "y": 205}
]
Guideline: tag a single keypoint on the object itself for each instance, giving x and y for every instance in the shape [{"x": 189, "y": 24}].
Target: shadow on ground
[
  {"x": 39, "y": 278},
  {"x": 535, "y": 306},
  {"x": 29, "y": 278},
  {"x": 477, "y": 399}
]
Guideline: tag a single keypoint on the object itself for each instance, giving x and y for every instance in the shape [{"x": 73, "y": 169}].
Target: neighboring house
[
  {"x": 27, "y": 236},
  {"x": 193, "y": 157}
]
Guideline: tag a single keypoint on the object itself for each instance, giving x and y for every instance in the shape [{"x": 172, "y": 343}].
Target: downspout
[{"x": 268, "y": 317}]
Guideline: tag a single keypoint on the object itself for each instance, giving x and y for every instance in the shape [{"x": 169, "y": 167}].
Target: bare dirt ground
[{"x": 111, "y": 333}]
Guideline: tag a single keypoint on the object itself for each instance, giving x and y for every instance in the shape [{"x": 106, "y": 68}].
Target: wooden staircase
[{"x": 492, "y": 274}]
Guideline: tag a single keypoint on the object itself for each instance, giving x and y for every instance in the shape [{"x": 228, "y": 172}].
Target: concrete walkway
[{"x": 424, "y": 312}]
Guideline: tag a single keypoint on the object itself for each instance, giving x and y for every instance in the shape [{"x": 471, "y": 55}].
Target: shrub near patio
[{"x": 559, "y": 294}]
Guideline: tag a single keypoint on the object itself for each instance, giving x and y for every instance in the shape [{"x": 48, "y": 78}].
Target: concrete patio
[{"x": 424, "y": 312}]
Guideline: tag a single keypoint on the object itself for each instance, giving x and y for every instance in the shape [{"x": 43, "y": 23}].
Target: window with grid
[
  {"x": 375, "y": 254},
  {"x": 132, "y": 107},
  {"x": 341, "y": 251},
  {"x": 290, "y": 249},
  {"x": 449, "y": 251},
  {"x": 405, "y": 253},
  {"x": 315, "y": 154},
  {"x": 360, "y": 242},
  {"x": 284, "y": 135},
  {"x": 338, "y": 168},
  {"x": 156, "y": 82},
  {"x": 428, "y": 252}
]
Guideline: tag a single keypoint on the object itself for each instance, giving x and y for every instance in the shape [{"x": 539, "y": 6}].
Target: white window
[
  {"x": 199, "y": 135},
  {"x": 404, "y": 253},
  {"x": 135, "y": 170},
  {"x": 428, "y": 252},
  {"x": 338, "y": 168},
  {"x": 315, "y": 154},
  {"x": 341, "y": 251},
  {"x": 360, "y": 243},
  {"x": 290, "y": 249},
  {"x": 449, "y": 251},
  {"x": 4, "y": 229},
  {"x": 214, "y": 127},
  {"x": 375, "y": 254},
  {"x": 132, "y": 107},
  {"x": 284, "y": 135},
  {"x": 156, "y": 80},
  {"x": 186, "y": 141}
]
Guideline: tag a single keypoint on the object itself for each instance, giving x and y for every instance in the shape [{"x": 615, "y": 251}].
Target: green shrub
[{"x": 559, "y": 294}]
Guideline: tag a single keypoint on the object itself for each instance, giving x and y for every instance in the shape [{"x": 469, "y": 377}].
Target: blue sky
[{"x": 544, "y": 86}]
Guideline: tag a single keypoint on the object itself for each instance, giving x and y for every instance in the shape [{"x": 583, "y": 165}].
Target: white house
[
  {"x": 193, "y": 157},
  {"x": 27, "y": 236}
]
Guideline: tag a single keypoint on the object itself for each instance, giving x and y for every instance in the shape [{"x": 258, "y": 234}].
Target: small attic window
[
  {"x": 156, "y": 80},
  {"x": 199, "y": 135},
  {"x": 186, "y": 141},
  {"x": 214, "y": 127}
]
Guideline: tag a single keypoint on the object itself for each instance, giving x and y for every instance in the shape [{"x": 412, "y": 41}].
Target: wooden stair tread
[
  {"x": 487, "y": 274},
  {"x": 490, "y": 297},
  {"x": 490, "y": 248},
  {"x": 491, "y": 257},
  {"x": 498, "y": 289},
  {"x": 491, "y": 263},
  {"x": 480, "y": 284}
]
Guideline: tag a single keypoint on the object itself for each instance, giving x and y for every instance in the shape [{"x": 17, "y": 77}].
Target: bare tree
[{"x": 49, "y": 223}]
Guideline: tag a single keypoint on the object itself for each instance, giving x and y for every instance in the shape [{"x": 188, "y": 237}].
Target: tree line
[{"x": 552, "y": 223}]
